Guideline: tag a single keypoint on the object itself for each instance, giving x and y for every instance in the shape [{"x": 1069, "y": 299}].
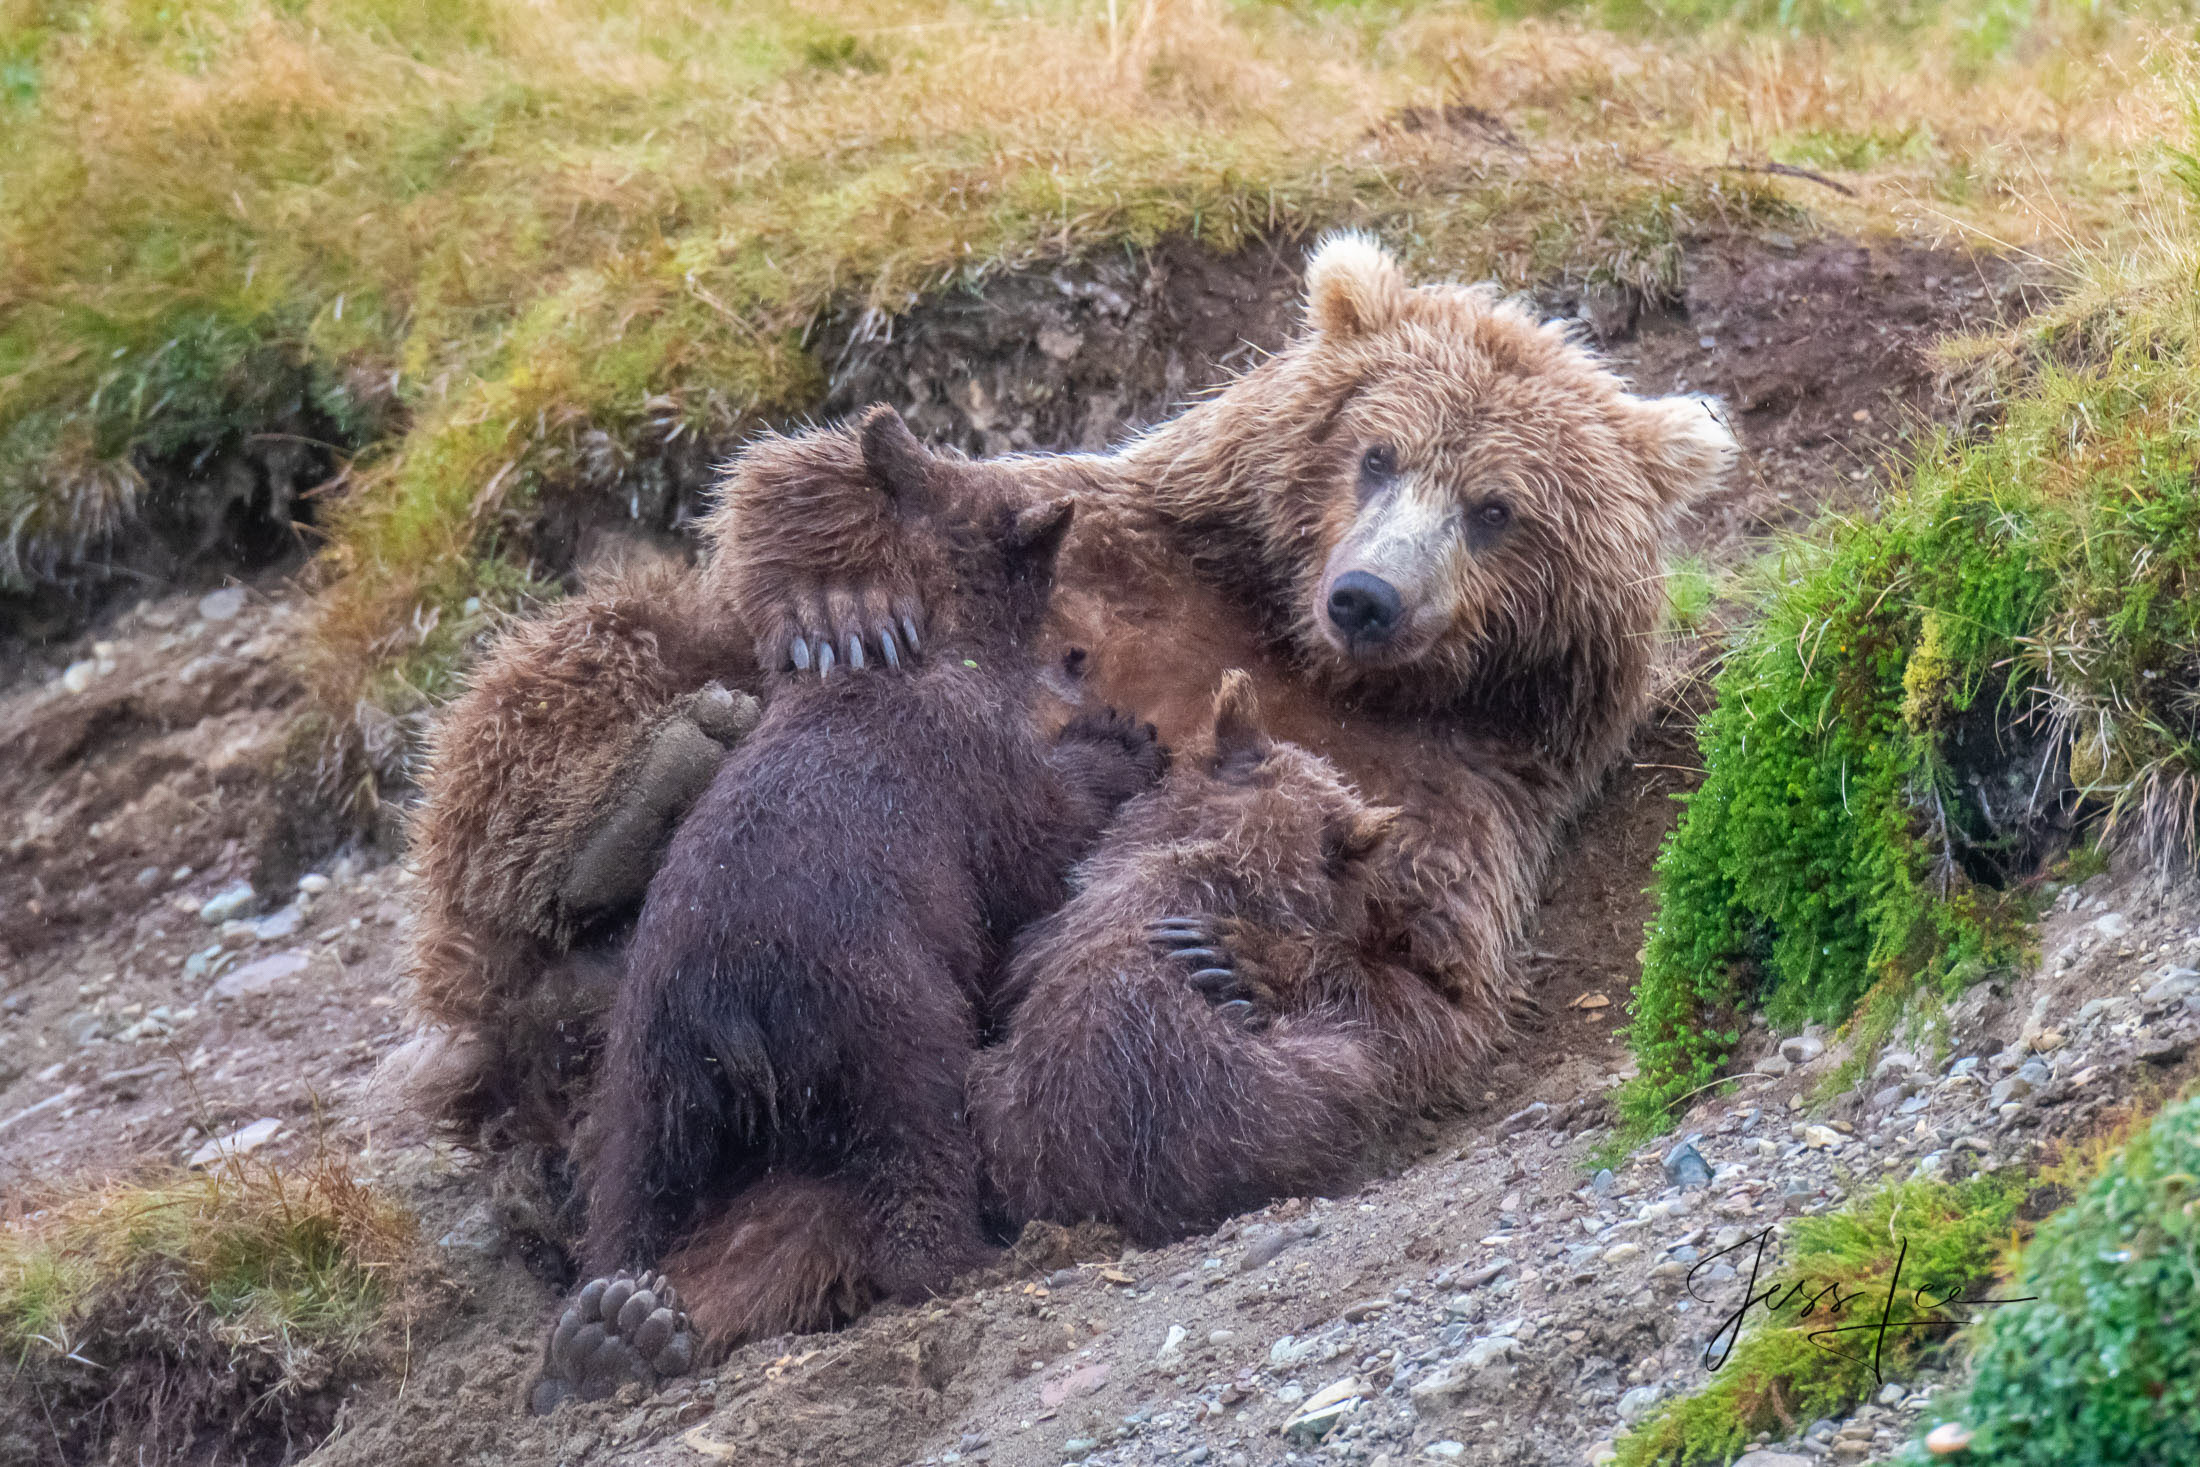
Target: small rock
[
  {"x": 1889, "y": 1098},
  {"x": 1801, "y": 1049},
  {"x": 2112, "y": 925},
  {"x": 1172, "y": 1348},
  {"x": 149, "y": 877},
  {"x": 313, "y": 883},
  {"x": 1289, "y": 1351},
  {"x": 1601, "y": 1183},
  {"x": 1963, "y": 1069},
  {"x": 1364, "y": 1310},
  {"x": 1622, "y": 1252},
  {"x": 1892, "y": 1394},
  {"x": 1432, "y": 1392},
  {"x": 1685, "y": 1167},
  {"x": 222, "y": 605},
  {"x": 479, "y": 1232},
  {"x": 1774, "y": 1459},
  {"x": 241, "y": 1142},
  {"x": 1221, "y": 1336},
  {"x": 1488, "y": 1350},
  {"x": 1445, "y": 1451},
  {"x": 78, "y": 676},
  {"x": 1526, "y": 1118},
  {"x": 276, "y": 926},
  {"x": 1636, "y": 1403},
  {"x": 1947, "y": 1439},
  {"x": 2008, "y": 1088},
  {"x": 1821, "y": 1138},
  {"x": 1077, "y": 1448},
  {"x": 226, "y": 904},
  {"x": 258, "y": 977},
  {"x": 1772, "y": 1064},
  {"x": 1323, "y": 1410}
]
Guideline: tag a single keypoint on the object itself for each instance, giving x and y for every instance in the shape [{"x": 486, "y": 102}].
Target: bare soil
[{"x": 133, "y": 1029}]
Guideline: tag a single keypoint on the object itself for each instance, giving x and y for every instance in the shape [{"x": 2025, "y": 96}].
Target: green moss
[
  {"x": 2103, "y": 1366},
  {"x": 2038, "y": 589},
  {"x": 1840, "y": 1267}
]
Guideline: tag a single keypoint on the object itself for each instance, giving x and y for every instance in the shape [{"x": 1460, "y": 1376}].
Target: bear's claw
[
  {"x": 1199, "y": 943},
  {"x": 616, "y": 1329},
  {"x": 852, "y": 636}
]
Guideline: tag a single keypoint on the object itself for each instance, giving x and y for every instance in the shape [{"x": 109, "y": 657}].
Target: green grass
[
  {"x": 201, "y": 1301},
  {"x": 2104, "y": 1365},
  {"x": 501, "y": 255},
  {"x": 2040, "y": 585},
  {"x": 1783, "y": 1372}
]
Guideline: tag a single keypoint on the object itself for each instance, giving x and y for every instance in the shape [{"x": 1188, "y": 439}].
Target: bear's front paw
[
  {"x": 1238, "y": 989},
  {"x": 615, "y": 1330},
  {"x": 845, "y": 629},
  {"x": 1137, "y": 741}
]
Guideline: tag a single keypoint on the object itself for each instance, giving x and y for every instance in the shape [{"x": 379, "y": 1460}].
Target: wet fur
[{"x": 780, "y": 1119}]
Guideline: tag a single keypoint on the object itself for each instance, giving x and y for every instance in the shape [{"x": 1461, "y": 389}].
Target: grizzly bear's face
[{"x": 1456, "y": 494}]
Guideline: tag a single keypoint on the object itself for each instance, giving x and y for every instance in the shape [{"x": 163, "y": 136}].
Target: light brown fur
[{"x": 1215, "y": 540}]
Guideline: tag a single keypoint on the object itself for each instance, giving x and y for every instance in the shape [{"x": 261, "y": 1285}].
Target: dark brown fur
[
  {"x": 1212, "y": 541},
  {"x": 1126, "y": 1094},
  {"x": 782, "y": 1098}
]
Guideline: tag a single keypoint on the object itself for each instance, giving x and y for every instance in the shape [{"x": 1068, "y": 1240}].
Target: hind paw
[
  {"x": 1201, "y": 945},
  {"x": 615, "y": 1330}
]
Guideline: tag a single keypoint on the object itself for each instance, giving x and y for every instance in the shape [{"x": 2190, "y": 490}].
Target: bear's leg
[
  {"x": 787, "y": 1255},
  {"x": 1133, "y": 1100},
  {"x": 616, "y": 1329},
  {"x": 916, "y": 1162}
]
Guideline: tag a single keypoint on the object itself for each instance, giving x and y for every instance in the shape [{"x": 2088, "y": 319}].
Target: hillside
[{"x": 333, "y": 333}]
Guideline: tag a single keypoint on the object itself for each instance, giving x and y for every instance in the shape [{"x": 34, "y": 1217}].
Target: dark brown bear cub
[
  {"x": 1162, "y": 1071},
  {"x": 781, "y": 1123}
]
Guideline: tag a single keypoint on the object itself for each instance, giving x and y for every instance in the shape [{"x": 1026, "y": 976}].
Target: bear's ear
[
  {"x": 1239, "y": 737},
  {"x": 1354, "y": 837},
  {"x": 1035, "y": 536},
  {"x": 1353, "y": 286},
  {"x": 1684, "y": 444},
  {"x": 899, "y": 464}
]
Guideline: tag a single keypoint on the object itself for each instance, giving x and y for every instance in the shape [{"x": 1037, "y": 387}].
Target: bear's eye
[
  {"x": 1379, "y": 462},
  {"x": 1494, "y": 515}
]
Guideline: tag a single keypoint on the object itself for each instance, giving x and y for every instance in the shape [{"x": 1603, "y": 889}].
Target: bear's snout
[{"x": 1365, "y": 608}]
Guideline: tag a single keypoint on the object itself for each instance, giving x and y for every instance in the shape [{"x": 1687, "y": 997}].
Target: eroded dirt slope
[{"x": 146, "y": 1008}]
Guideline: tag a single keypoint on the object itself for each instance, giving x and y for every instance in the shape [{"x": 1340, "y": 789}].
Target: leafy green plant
[
  {"x": 1893, "y": 735},
  {"x": 1810, "y": 1348},
  {"x": 2103, "y": 1366}
]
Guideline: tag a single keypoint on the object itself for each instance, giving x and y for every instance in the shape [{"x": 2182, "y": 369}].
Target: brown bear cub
[
  {"x": 1163, "y": 1071},
  {"x": 780, "y": 1120}
]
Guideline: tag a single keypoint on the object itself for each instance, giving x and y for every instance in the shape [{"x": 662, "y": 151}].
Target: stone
[
  {"x": 1077, "y": 1448},
  {"x": 1445, "y": 1451},
  {"x": 1821, "y": 1138},
  {"x": 1622, "y": 1252},
  {"x": 1963, "y": 1069},
  {"x": 1529, "y": 1117},
  {"x": 1636, "y": 1403},
  {"x": 256, "y": 978},
  {"x": 313, "y": 883},
  {"x": 1434, "y": 1392},
  {"x": 1290, "y": 1351},
  {"x": 1601, "y": 1183},
  {"x": 1892, "y": 1394},
  {"x": 241, "y": 1142},
  {"x": 1772, "y": 1064},
  {"x": 1801, "y": 1049},
  {"x": 1774, "y": 1459},
  {"x": 1323, "y": 1411},
  {"x": 1889, "y": 1098},
  {"x": 1172, "y": 1347},
  {"x": 1685, "y": 1167},
  {"x": 276, "y": 926},
  {"x": 2008, "y": 1088},
  {"x": 223, "y": 605},
  {"x": 2112, "y": 925},
  {"x": 226, "y": 904},
  {"x": 1948, "y": 1438},
  {"x": 1489, "y": 1350}
]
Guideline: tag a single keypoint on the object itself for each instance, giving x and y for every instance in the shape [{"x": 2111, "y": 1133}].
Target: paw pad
[{"x": 616, "y": 1329}]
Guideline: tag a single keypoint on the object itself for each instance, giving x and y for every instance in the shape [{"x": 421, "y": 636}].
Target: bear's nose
[{"x": 1364, "y": 607}]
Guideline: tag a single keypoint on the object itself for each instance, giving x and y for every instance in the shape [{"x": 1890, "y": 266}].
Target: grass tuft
[{"x": 176, "y": 1314}]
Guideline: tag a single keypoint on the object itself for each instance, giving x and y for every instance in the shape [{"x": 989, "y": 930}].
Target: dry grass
[
  {"x": 513, "y": 250},
  {"x": 173, "y": 1313}
]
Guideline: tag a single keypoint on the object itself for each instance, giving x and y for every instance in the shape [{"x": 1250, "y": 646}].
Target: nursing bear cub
[
  {"x": 779, "y": 1120},
  {"x": 1182, "y": 1041}
]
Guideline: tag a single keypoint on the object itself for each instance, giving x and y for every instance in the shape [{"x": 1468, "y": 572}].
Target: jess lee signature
[{"x": 1835, "y": 1304}]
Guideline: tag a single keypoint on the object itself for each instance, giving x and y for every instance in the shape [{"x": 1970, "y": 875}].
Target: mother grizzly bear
[{"x": 1429, "y": 528}]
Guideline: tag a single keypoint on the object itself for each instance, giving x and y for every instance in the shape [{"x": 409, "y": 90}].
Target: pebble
[
  {"x": 1527, "y": 1118},
  {"x": 1685, "y": 1167},
  {"x": 1172, "y": 1348},
  {"x": 256, "y": 978},
  {"x": 1820, "y": 1138},
  {"x": 226, "y": 903},
  {"x": 1488, "y": 1350},
  {"x": 1801, "y": 1049},
  {"x": 1445, "y": 1451},
  {"x": 1323, "y": 1410},
  {"x": 1774, "y": 1459},
  {"x": 313, "y": 883},
  {"x": 241, "y": 1142},
  {"x": 1077, "y": 1448},
  {"x": 1948, "y": 1438},
  {"x": 1636, "y": 1403},
  {"x": 1622, "y": 1252},
  {"x": 223, "y": 605}
]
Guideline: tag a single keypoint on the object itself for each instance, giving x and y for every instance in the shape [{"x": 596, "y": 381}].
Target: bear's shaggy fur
[
  {"x": 787, "y": 1054},
  {"x": 1429, "y": 529},
  {"x": 1152, "y": 1081}
]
